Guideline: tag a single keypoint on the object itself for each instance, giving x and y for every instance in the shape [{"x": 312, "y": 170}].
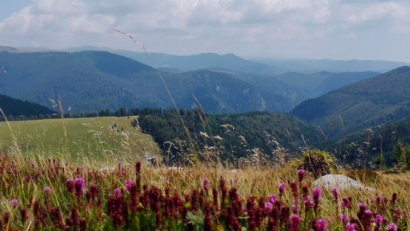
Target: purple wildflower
[
  {"x": 301, "y": 174},
  {"x": 26, "y": 177},
  {"x": 362, "y": 207},
  {"x": 294, "y": 222},
  {"x": 119, "y": 165},
  {"x": 281, "y": 188},
  {"x": 117, "y": 192},
  {"x": 206, "y": 184},
  {"x": 350, "y": 227},
  {"x": 128, "y": 184},
  {"x": 272, "y": 198},
  {"x": 343, "y": 218},
  {"x": 378, "y": 199},
  {"x": 79, "y": 185},
  {"x": 321, "y": 225},
  {"x": 308, "y": 202},
  {"x": 378, "y": 220},
  {"x": 335, "y": 192},
  {"x": 14, "y": 202},
  {"x": 124, "y": 173},
  {"x": 47, "y": 190},
  {"x": 268, "y": 208},
  {"x": 317, "y": 194},
  {"x": 392, "y": 227}
]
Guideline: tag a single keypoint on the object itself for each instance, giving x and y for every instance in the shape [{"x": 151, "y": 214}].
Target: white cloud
[
  {"x": 400, "y": 29},
  {"x": 350, "y": 36},
  {"x": 194, "y": 26},
  {"x": 393, "y": 10}
]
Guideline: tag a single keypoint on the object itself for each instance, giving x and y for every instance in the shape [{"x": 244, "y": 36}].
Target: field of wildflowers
[{"x": 48, "y": 194}]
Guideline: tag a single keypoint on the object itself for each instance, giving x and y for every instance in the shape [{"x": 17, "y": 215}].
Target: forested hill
[
  {"x": 14, "y": 107},
  {"x": 95, "y": 80},
  {"x": 366, "y": 145},
  {"x": 371, "y": 102},
  {"x": 233, "y": 135}
]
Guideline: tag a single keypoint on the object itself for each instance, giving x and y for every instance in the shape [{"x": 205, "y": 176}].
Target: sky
[{"x": 315, "y": 29}]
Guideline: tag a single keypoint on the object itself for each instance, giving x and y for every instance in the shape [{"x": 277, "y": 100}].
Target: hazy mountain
[
  {"x": 272, "y": 85},
  {"x": 194, "y": 62},
  {"x": 317, "y": 84},
  {"x": 373, "y": 101},
  {"x": 313, "y": 66},
  {"x": 96, "y": 80},
  {"x": 15, "y": 107}
]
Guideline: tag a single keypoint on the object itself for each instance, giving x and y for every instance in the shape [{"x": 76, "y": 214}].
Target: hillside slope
[
  {"x": 237, "y": 134},
  {"x": 365, "y": 145},
  {"x": 317, "y": 84},
  {"x": 95, "y": 80},
  {"x": 15, "y": 107},
  {"x": 374, "y": 101},
  {"x": 95, "y": 138}
]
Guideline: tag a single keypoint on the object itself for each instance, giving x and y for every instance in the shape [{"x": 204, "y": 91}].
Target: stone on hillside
[{"x": 341, "y": 182}]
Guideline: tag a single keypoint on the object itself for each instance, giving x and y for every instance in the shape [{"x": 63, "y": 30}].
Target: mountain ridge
[{"x": 370, "y": 102}]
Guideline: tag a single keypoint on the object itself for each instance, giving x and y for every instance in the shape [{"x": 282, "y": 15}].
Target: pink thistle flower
[
  {"x": 308, "y": 202},
  {"x": 301, "y": 174},
  {"x": 117, "y": 192},
  {"x": 79, "y": 185},
  {"x": 294, "y": 188},
  {"x": 378, "y": 220},
  {"x": 206, "y": 184},
  {"x": 335, "y": 192},
  {"x": 392, "y": 227},
  {"x": 47, "y": 190},
  {"x": 343, "y": 218},
  {"x": 123, "y": 173},
  {"x": 128, "y": 184},
  {"x": 350, "y": 227},
  {"x": 272, "y": 198},
  {"x": 101, "y": 176},
  {"x": 362, "y": 207},
  {"x": 317, "y": 194},
  {"x": 378, "y": 199},
  {"x": 281, "y": 188},
  {"x": 268, "y": 208},
  {"x": 26, "y": 177},
  {"x": 14, "y": 202},
  {"x": 294, "y": 222},
  {"x": 321, "y": 225},
  {"x": 119, "y": 165},
  {"x": 70, "y": 185}
]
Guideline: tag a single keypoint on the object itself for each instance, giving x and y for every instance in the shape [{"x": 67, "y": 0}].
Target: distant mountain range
[
  {"x": 95, "y": 80},
  {"x": 263, "y": 66},
  {"x": 319, "y": 65},
  {"x": 368, "y": 103},
  {"x": 193, "y": 62}
]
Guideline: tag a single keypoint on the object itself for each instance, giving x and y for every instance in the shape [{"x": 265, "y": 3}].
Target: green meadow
[{"x": 95, "y": 138}]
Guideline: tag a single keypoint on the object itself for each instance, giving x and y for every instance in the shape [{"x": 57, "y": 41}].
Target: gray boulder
[{"x": 341, "y": 182}]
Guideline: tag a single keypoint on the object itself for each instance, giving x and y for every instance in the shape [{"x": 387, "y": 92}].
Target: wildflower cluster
[{"x": 73, "y": 198}]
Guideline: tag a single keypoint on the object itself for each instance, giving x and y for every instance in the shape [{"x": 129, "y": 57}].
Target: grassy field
[{"x": 98, "y": 137}]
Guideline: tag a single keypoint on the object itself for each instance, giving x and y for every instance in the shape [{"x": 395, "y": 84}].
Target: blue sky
[{"x": 333, "y": 29}]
